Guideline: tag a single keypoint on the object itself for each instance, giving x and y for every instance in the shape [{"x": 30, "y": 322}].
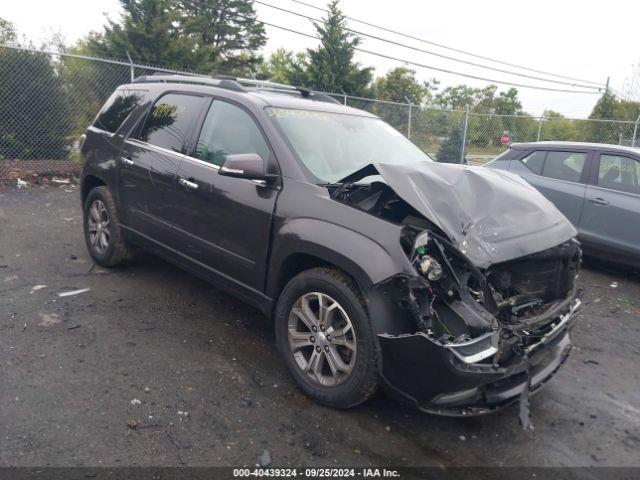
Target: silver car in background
[{"x": 595, "y": 185}]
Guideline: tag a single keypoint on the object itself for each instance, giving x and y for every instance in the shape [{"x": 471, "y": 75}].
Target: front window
[
  {"x": 229, "y": 130},
  {"x": 334, "y": 145}
]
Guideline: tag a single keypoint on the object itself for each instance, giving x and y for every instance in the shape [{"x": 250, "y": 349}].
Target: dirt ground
[{"x": 197, "y": 374}]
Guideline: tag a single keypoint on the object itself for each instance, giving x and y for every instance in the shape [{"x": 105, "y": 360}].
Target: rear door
[
  {"x": 611, "y": 218},
  {"x": 224, "y": 222},
  {"x": 560, "y": 175},
  {"x": 149, "y": 161}
]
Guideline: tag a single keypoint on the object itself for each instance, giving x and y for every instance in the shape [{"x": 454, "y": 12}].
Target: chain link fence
[{"x": 48, "y": 99}]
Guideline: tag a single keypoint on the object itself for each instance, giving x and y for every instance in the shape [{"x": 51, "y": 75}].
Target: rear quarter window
[
  {"x": 535, "y": 161},
  {"x": 117, "y": 108}
]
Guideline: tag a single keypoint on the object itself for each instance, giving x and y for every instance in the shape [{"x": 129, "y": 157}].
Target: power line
[
  {"x": 375, "y": 37},
  {"x": 452, "y": 48},
  {"x": 422, "y": 65}
]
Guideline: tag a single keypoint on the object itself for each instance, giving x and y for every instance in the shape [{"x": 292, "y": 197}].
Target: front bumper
[{"x": 437, "y": 379}]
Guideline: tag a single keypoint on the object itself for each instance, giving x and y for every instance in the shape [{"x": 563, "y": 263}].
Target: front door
[
  {"x": 611, "y": 218},
  {"x": 225, "y": 222},
  {"x": 149, "y": 162}
]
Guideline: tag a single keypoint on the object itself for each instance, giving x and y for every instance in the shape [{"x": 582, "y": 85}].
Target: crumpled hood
[{"x": 491, "y": 216}]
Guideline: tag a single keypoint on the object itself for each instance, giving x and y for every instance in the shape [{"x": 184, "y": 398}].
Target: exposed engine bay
[{"x": 493, "y": 315}]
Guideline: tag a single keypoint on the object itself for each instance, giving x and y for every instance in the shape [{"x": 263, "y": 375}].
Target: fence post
[
  {"x": 540, "y": 127},
  {"x": 409, "y": 119},
  {"x": 464, "y": 132},
  {"x": 133, "y": 69},
  {"x": 344, "y": 96},
  {"x": 635, "y": 131}
]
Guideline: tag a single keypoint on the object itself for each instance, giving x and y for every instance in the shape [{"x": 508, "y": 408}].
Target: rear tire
[
  {"x": 339, "y": 371},
  {"x": 102, "y": 232}
]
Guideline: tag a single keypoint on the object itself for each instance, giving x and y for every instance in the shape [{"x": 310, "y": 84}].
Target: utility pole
[{"x": 606, "y": 88}]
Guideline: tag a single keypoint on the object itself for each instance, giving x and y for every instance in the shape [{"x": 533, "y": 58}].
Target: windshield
[{"x": 334, "y": 145}]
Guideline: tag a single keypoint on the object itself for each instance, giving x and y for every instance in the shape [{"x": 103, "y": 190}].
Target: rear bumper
[{"x": 423, "y": 373}]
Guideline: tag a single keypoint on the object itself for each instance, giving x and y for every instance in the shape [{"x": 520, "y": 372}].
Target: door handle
[
  {"x": 127, "y": 162},
  {"x": 599, "y": 201},
  {"x": 188, "y": 184}
]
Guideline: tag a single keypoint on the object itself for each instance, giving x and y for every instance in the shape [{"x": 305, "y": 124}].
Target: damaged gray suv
[{"x": 452, "y": 287}]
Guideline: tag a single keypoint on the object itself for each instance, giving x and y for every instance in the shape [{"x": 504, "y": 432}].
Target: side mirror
[{"x": 244, "y": 165}]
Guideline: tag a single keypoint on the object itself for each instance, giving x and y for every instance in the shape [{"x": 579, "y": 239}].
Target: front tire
[
  {"x": 102, "y": 232},
  {"x": 325, "y": 337}
]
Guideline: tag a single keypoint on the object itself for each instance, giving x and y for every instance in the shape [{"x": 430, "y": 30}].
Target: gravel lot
[{"x": 197, "y": 374}]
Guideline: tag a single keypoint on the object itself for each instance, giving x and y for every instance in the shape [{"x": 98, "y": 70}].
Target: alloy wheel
[
  {"x": 322, "y": 339},
  {"x": 98, "y": 227}
]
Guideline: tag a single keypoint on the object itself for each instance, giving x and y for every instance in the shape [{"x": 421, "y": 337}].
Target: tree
[
  {"x": 8, "y": 35},
  {"x": 556, "y": 127},
  {"x": 284, "y": 66},
  {"x": 212, "y": 36},
  {"x": 148, "y": 31},
  {"x": 401, "y": 85},
  {"x": 34, "y": 116},
  {"x": 331, "y": 66},
  {"x": 223, "y": 35},
  {"x": 480, "y": 100},
  {"x": 449, "y": 151},
  {"x": 604, "y": 109}
]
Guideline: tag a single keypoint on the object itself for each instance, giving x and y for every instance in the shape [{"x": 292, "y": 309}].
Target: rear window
[
  {"x": 116, "y": 110},
  {"x": 535, "y": 161},
  {"x": 170, "y": 121},
  {"x": 566, "y": 166}
]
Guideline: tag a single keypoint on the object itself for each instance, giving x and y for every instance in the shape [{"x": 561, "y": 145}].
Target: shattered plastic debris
[
  {"x": 60, "y": 181},
  {"x": 265, "y": 458},
  {"x": 22, "y": 184},
  {"x": 49, "y": 319},
  {"x": 183, "y": 414},
  {"x": 135, "y": 401},
  {"x": 133, "y": 423},
  {"x": 73, "y": 292},
  {"x": 37, "y": 287},
  {"x": 614, "y": 285}
]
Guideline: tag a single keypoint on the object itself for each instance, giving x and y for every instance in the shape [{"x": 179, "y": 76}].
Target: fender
[{"x": 367, "y": 261}]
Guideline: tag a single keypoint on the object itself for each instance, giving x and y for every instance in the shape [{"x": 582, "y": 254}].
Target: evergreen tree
[
  {"x": 331, "y": 66},
  {"x": 224, "y": 35},
  {"x": 604, "y": 109},
  {"x": 449, "y": 151},
  {"x": 284, "y": 66},
  {"x": 34, "y": 112},
  {"x": 208, "y": 36},
  {"x": 148, "y": 32}
]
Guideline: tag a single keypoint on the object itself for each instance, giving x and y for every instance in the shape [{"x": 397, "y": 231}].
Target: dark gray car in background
[{"x": 595, "y": 185}]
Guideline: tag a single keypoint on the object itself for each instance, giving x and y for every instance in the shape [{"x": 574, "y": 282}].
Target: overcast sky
[{"x": 583, "y": 39}]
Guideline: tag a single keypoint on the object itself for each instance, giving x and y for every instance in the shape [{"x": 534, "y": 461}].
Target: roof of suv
[
  {"x": 286, "y": 100},
  {"x": 262, "y": 93},
  {"x": 581, "y": 145}
]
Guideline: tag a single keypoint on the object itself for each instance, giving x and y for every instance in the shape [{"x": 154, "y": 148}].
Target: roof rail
[
  {"x": 226, "y": 82},
  {"x": 236, "y": 84}
]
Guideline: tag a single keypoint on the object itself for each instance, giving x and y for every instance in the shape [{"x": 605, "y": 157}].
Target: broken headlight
[
  {"x": 424, "y": 262},
  {"x": 430, "y": 267}
]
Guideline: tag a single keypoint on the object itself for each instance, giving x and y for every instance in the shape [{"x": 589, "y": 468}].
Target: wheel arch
[
  {"x": 307, "y": 243},
  {"x": 89, "y": 182}
]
